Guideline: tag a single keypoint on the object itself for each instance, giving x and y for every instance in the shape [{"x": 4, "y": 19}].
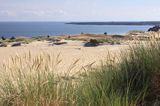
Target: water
[{"x": 9, "y": 29}]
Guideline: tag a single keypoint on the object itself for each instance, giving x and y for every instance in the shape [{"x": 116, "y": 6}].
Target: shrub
[
  {"x": 3, "y": 38},
  {"x": 105, "y": 33},
  {"x": 12, "y": 38},
  {"x": 43, "y": 38},
  {"x": 118, "y": 36},
  {"x": 135, "y": 32}
]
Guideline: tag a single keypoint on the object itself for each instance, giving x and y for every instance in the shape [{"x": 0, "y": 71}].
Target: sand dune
[{"x": 69, "y": 52}]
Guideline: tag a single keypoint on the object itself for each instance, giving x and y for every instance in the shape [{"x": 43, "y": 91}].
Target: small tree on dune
[
  {"x": 12, "y": 38},
  {"x": 3, "y": 38},
  {"x": 105, "y": 33}
]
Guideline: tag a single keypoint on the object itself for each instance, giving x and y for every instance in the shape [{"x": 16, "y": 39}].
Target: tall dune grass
[
  {"x": 132, "y": 79},
  {"x": 31, "y": 81}
]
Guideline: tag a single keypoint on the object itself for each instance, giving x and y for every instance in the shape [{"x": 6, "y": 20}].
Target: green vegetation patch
[{"x": 131, "y": 79}]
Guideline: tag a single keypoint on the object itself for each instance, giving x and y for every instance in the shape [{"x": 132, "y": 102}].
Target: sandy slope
[{"x": 69, "y": 53}]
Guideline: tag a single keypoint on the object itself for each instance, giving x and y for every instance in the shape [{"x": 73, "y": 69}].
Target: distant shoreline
[{"x": 147, "y": 23}]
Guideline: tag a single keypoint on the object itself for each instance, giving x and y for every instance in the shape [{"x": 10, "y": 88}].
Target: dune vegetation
[
  {"x": 80, "y": 37},
  {"x": 129, "y": 80}
]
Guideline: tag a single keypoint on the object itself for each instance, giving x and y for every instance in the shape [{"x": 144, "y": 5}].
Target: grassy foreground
[{"x": 133, "y": 79}]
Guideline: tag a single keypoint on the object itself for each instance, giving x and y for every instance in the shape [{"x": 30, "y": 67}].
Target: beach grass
[
  {"x": 24, "y": 40},
  {"x": 30, "y": 81},
  {"x": 129, "y": 80},
  {"x": 132, "y": 79}
]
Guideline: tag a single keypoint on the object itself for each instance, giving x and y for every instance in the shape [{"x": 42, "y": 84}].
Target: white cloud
[{"x": 7, "y": 13}]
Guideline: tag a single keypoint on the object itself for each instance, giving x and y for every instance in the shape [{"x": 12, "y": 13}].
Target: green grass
[
  {"x": 18, "y": 39},
  {"x": 133, "y": 32},
  {"x": 131, "y": 79},
  {"x": 43, "y": 38},
  {"x": 28, "y": 40},
  {"x": 100, "y": 39}
]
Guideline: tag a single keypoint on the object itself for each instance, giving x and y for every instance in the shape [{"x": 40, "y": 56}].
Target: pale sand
[{"x": 69, "y": 53}]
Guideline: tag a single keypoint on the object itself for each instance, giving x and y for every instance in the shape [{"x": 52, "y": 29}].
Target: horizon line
[{"x": 80, "y": 21}]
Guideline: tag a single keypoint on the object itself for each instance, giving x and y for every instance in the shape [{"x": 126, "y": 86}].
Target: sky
[{"x": 79, "y": 10}]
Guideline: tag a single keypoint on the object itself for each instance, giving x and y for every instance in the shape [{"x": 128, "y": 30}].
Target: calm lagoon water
[{"x": 29, "y": 29}]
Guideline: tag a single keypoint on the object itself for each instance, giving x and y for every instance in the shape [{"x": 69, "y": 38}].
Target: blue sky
[{"x": 79, "y": 10}]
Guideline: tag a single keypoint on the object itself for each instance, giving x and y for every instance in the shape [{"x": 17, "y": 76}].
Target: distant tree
[
  {"x": 69, "y": 37},
  {"x": 3, "y": 38},
  {"x": 105, "y": 33},
  {"x": 155, "y": 28},
  {"x": 48, "y": 36},
  {"x": 82, "y": 33},
  {"x": 12, "y": 38}
]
